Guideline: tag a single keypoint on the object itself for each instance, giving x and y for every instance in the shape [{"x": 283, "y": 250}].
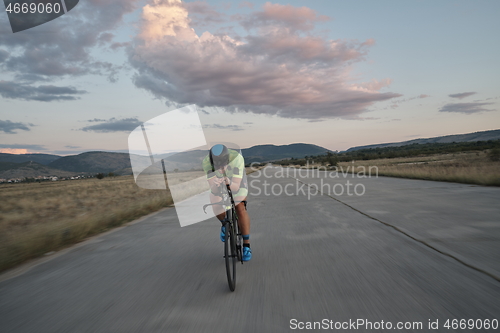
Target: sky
[{"x": 337, "y": 74}]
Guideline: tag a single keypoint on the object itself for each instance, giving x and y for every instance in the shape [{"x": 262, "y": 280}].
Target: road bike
[{"x": 233, "y": 241}]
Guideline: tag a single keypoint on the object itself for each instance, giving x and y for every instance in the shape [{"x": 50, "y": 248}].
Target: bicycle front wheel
[{"x": 230, "y": 256}]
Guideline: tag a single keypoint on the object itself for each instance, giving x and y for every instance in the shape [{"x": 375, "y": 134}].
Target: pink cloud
[
  {"x": 274, "y": 71},
  {"x": 282, "y": 44},
  {"x": 295, "y": 18},
  {"x": 13, "y": 151},
  {"x": 203, "y": 14}
]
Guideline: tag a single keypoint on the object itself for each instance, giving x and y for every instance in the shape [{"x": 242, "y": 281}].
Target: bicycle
[{"x": 233, "y": 241}]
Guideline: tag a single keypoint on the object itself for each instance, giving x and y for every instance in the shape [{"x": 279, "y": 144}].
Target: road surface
[{"x": 406, "y": 251}]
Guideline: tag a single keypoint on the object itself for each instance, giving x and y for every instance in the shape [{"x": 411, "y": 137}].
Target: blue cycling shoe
[
  {"x": 247, "y": 254},
  {"x": 222, "y": 233}
]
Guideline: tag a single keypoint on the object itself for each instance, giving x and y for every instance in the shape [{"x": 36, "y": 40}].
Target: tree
[
  {"x": 494, "y": 154},
  {"x": 332, "y": 159},
  {"x": 99, "y": 176}
]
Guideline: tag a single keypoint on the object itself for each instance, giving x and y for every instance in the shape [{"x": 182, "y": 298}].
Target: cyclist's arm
[
  {"x": 235, "y": 184},
  {"x": 238, "y": 171},
  {"x": 214, "y": 183},
  {"x": 213, "y": 180}
]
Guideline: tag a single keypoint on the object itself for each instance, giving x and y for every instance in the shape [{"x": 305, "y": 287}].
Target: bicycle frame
[{"x": 233, "y": 240}]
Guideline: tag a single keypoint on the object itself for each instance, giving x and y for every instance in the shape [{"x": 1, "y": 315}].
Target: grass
[
  {"x": 36, "y": 218},
  {"x": 466, "y": 167}
]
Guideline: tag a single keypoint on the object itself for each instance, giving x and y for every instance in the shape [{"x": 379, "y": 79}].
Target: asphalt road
[{"x": 404, "y": 251}]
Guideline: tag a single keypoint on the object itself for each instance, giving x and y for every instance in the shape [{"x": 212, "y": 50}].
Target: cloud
[
  {"x": 399, "y": 101},
  {"x": 68, "y": 152},
  {"x": 462, "y": 95},
  {"x": 115, "y": 46},
  {"x": 9, "y": 127},
  {"x": 105, "y": 38},
  {"x": 30, "y": 78},
  {"x": 43, "y": 93},
  {"x": 3, "y": 55},
  {"x": 246, "y": 4},
  {"x": 225, "y": 127},
  {"x": 13, "y": 151},
  {"x": 467, "y": 108},
  {"x": 277, "y": 70},
  {"x": 288, "y": 16},
  {"x": 72, "y": 147},
  {"x": 112, "y": 125},
  {"x": 202, "y": 14},
  {"x": 63, "y": 47},
  {"x": 21, "y": 146}
]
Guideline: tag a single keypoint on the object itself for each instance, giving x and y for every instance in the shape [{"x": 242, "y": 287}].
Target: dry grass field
[
  {"x": 36, "y": 218},
  {"x": 466, "y": 167}
]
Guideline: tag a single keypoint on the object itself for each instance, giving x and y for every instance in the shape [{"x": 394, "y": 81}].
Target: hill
[
  {"x": 119, "y": 163},
  {"x": 266, "y": 153},
  {"x": 9, "y": 170},
  {"x": 38, "y": 158},
  {"x": 93, "y": 162},
  {"x": 261, "y": 153},
  {"x": 469, "y": 137},
  {"x": 191, "y": 160}
]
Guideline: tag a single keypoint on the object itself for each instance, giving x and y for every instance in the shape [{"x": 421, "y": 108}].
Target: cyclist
[{"x": 223, "y": 164}]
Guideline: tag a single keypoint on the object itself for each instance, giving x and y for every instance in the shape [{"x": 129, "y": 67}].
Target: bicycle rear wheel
[
  {"x": 238, "y": 240},
  {"x": 230, "y": 256}
]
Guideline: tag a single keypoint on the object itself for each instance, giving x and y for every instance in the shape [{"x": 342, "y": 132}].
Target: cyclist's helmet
[{"x": 219, "y": 156}]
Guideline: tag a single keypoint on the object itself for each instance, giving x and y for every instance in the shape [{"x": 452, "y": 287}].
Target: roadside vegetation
[
  {"x": 36, "y": 218},
  {"x": 464, "y": 162},
  {"x": 416, "y": 149},
  {"x": 467, "y": 167},
  {"x": 40, "y": 217}
]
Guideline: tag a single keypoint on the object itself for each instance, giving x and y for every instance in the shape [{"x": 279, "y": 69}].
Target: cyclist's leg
[
  {"x": 243, "y": 218},
  {"x": 217, "y": 209},
  {"x": 244, "y": 224}
]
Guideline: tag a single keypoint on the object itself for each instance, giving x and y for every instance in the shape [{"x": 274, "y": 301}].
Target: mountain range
[
  {"x": 9, "y": 170},
  {"x": 469, "y": 137},
  {"x": 38, "y": 158},
  {"x": 34, "y": 165}
]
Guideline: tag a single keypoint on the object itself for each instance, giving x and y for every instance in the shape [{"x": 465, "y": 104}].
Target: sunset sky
[{"x": 333, "y": 73}]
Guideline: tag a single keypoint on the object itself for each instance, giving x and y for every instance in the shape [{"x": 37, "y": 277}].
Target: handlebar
[
  {"x": 224, "y": 200},
  {"x": 218, "y": 203}
]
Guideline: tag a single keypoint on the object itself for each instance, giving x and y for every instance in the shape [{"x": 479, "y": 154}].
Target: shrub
[{"x": 494, "y": 154}]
